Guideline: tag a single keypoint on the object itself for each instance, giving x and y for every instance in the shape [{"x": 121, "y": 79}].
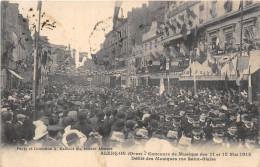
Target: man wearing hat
[
  {"x": 8, "y": 134},
  {"x": 186, "y": 129},
  {"x": 53, "y": 138},
  {"x": 246, "y": 128},
  {"x": 231, "y": 136},
  {"x": 154, "y": 130},
  {"x": 82, "y": 124},
  {"x": 19, "y": 130},
  {"x": 97, "y": 122},
  {"x": 117, "y": 134},
  {"x": 217, "y": 141},
  {"x": 197, "y": 137},
  {"x": 130, "y": 125}
]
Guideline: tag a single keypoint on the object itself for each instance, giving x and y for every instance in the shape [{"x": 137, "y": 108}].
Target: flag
[
  {"x": 178, "y": 24},
  {"x": 161, "y": 87},
  {"x": 133, "y": 40},
  {"x": 116, "y": 11},
  {"x": 226, "y": 77},
  {"x": 192, "y": 14},
  {"x": 173, "y": 52},
  {"x": 184, "y": 31},
  {"x": 239, "y": 73},
  {"x": 182, "y": 50},
  {"x": 239, "y": 77},
  {"x": 190, "y": 23},
  {"x": 231, "y": 67},
  {"x": 226, "y": 80},
  {"x": 202, "y": 47},
  {"x": 197, "y": 53},
  {"x": 44, "y": 58},
  {"x": 39, "y": 6},
  {"x": 240, "y": 5},
  {"x": 188, "y": 12},
  {"x": 166, "y": 29},
  {"x": 181, "y": 17},
  {"x": 192, "y": 57},
  {"x": 173, "y": 28}
]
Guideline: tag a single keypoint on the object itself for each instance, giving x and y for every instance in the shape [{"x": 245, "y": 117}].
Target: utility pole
[
  {"x": 36, "y": 45},
  {"x": 250, "y": 97},
  {"x": 241, "y": 43}
]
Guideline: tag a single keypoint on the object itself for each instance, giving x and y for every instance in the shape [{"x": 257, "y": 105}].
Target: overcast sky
[{"x": 75, "y": 21}]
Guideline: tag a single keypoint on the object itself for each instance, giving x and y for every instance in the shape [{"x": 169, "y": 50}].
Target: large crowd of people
[{"x": 75, "y": 115}]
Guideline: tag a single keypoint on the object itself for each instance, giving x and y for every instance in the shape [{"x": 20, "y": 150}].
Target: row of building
[
  {"x": 179, "y": 40},
  {"x": 17, "y": 50}
]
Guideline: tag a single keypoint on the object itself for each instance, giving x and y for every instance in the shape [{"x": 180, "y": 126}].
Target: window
[
  {"x": 229, "y": 38},
  {"x": 151, "y": 45},
  {"x": 213, "y": 39},
  {"x": 155, "y": 43},
  {"x": 213, "y": 10}
]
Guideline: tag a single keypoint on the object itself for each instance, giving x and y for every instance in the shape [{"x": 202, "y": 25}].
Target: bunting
[
  {"x": 161, "y": 87},
  {"x": 184, "y": 31},
  {"x": 173, "y": 52},
  {"x": 181, "y": 17}
]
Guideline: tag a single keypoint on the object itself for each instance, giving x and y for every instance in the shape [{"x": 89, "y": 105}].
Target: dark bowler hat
[{"x": 72, "y": 138}]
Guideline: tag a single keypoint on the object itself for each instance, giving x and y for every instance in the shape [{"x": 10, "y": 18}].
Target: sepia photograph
[{"x": 130, "y": 83}]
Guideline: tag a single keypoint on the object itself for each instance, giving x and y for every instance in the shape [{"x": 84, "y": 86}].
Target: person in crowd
[
  {"x": 53, "y": 139},
  {"x": 82, "y": 124},
  {"x": 8, "y": 133},
  {"x": 19, "y": 130}
]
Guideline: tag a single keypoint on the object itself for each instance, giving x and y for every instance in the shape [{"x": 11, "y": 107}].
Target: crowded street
[
  {"x": 125, "y": 83},
  {"x": 75, "y": 115}
]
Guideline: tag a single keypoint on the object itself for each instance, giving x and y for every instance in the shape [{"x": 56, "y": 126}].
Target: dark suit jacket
[
  {"x": 19, "y": 133},
  {"x": 8, "y": 134}
]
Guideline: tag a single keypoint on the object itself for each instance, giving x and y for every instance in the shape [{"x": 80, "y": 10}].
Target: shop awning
[{"x": 15, "y": 74}]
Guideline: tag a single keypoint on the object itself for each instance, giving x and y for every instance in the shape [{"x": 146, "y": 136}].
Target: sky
[{"x": 75, "y": 21}]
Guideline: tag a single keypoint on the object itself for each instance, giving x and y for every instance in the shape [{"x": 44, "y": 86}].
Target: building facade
[
  {"x": 183, "y": 39},
  {"x": 16, "y": 47}
]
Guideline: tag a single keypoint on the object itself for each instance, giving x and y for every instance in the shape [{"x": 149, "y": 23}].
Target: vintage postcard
[{"x": 130, "y": 83}]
